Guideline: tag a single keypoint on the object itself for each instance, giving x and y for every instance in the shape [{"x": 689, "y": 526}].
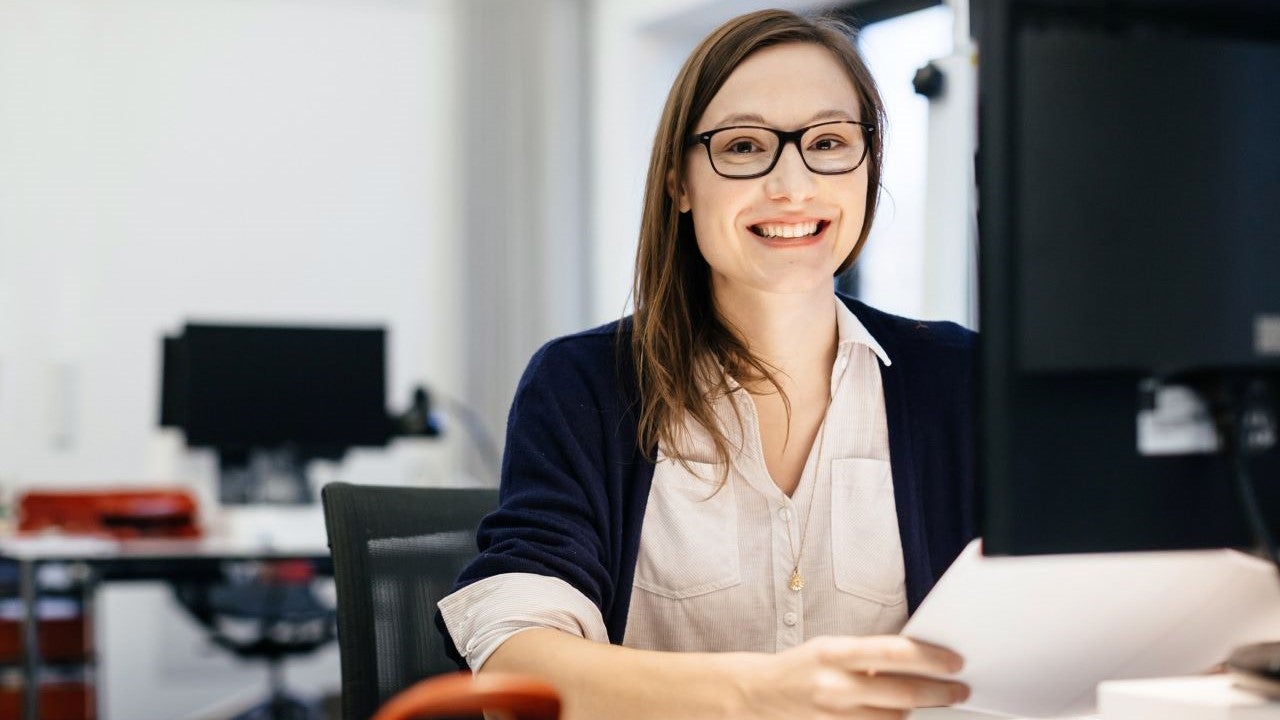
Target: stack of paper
[{"x": 1039, "y": 633}]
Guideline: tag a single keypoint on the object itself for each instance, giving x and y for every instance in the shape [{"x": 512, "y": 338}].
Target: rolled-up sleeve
[
  {"x": 484, "y": 614},
  {"x": 567, "y": 500}
]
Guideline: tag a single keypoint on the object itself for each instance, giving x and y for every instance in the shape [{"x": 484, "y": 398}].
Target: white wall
[
  {"x": 268, "y": 160},
  {"x": 892, "y": 267},
  {"x": 257, "y": 160},
  {"x": 525, "y": 183}
]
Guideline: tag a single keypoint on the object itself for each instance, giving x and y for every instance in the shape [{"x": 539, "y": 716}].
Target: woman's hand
[{"x": 851, "y": 677}]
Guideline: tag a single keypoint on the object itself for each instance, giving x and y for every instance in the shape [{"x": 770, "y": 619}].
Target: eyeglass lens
[{"x": 829, "y": 148}]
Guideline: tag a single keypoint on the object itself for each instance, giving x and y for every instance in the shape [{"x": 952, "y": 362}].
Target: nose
[{"x": 790, "y": 179}]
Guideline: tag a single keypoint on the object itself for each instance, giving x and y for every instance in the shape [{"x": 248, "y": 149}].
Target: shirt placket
[
  {"x": 786, "y": 515},
  {"x": 789, "y": 617},
  {"x": 801, "y": 505},
  {"x": 788, "y": 605}
]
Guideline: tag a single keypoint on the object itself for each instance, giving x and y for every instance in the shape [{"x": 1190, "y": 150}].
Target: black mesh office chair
[
  {"x": 271, "y": 614},
  {"x": 396, "y": 552}
]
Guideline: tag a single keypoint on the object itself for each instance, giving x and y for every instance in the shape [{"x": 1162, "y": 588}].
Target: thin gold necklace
[{"x": 797, "y": 580}]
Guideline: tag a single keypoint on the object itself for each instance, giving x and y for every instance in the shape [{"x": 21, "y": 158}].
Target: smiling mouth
[{"x": 788, "y": 231}]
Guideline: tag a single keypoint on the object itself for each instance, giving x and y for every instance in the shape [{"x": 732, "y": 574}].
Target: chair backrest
[{"x": 396, "y": 552}]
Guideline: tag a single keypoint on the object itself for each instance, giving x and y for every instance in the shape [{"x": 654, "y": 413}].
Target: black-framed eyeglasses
[{"x": 749, "y": 151}]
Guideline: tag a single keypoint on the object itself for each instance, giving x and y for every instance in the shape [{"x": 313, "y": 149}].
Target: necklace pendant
[{"x": 797, "y": 582}]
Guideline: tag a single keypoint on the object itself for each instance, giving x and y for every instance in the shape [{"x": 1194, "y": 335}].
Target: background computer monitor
[
  {"x": 293, "y": 393},
  {"x": 1129, "y": 195}
]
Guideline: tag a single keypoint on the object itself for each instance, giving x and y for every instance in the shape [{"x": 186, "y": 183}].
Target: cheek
[
  {"x": 710, "y": 236},
  {"x": 860, "y": 192},
  {"x": 715, "y": 214},
  {"x": 855, "y": 210}
]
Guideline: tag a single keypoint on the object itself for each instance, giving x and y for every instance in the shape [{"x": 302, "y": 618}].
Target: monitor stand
[{"x": 276, "y": 475}]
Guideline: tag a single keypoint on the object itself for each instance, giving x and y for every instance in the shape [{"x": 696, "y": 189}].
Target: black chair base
[{"x": 282, "y": 708}]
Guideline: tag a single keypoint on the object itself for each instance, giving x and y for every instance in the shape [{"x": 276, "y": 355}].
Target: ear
[{"x": 677, "y": 193}]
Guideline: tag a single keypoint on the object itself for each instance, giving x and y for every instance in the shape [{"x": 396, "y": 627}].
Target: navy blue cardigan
[{"x": 575, "y": 484}]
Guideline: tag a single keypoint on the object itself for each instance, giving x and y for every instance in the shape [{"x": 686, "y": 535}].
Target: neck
[{"x": 795, "y": 332}]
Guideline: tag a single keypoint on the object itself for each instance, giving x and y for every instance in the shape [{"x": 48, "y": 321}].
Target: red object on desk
[{"x": 122, "y": 514}]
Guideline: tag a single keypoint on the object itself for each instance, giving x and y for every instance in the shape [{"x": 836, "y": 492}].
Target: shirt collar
[{"x": 850, "y": 330}]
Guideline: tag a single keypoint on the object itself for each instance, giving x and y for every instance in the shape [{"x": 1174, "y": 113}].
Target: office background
[{"x": 466, "y": 173}]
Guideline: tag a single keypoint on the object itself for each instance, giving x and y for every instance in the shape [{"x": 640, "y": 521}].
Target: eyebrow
[{"x": 756, "y": 118}]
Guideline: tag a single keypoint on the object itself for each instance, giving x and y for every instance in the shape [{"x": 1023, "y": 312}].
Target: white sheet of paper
[{"x": 1039, "y": 633}]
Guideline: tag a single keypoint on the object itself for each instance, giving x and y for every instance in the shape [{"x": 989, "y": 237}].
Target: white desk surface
[
  {"x": 52, "y": 548},
  {"x": 251, "y": 532}
]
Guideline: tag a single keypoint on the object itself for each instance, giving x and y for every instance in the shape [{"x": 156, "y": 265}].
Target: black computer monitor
[
  {"x": 306, "y": 392},
  {"x": 1129, "y": 195}
]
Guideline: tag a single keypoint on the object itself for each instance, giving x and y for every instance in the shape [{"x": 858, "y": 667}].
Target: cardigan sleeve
[{"x": 552, "y": 518}]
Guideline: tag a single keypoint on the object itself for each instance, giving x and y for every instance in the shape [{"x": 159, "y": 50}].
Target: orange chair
[{"x": 461, "y": 694}]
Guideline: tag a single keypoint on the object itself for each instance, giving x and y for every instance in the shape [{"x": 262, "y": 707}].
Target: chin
[{"x": 797, "y": 282}]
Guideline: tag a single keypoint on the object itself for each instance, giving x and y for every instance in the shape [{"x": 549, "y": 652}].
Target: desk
[{"x": 95, "y": 560}]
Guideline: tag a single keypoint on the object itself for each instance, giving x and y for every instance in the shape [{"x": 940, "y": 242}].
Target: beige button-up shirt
[{"x": 715, "y": 566}]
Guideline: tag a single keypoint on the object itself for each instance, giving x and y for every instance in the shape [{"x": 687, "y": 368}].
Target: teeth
[{"x": 787, "y": 231}]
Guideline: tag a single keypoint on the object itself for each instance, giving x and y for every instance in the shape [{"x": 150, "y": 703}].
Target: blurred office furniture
[
  {"x": 47, "y": 656},
  {"x": 55, "y": 566},
  {"x": 269, "y": 399},
  {"x": 270, "y": 613},
  {"x": 396, "y": 552},
  {"x": 64, "y": 636},
  {"x": 461, "y": 694}
]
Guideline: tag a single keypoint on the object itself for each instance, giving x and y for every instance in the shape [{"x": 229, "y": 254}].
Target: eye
[
  {"x": 742, "y": 146},
  {"x": 827, "y": 144}
]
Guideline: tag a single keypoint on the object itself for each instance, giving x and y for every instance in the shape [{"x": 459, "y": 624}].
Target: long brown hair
[{"x": 683, "y": 351}]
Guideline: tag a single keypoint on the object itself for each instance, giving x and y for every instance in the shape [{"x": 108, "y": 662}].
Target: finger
[
  {"x": 890, "y": 654},
  {"x": 904, "y": 692}
]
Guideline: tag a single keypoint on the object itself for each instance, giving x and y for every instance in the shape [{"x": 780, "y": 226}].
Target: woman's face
[{"x": 752, "y": 232}]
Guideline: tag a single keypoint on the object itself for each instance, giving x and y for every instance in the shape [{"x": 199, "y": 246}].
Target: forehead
[{"x": 787, "y": 85}]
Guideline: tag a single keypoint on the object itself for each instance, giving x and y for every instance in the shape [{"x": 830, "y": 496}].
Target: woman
[{"x": 752, "y": 470}]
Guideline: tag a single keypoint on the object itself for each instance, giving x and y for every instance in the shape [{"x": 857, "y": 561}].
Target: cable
[
  {"x": 422, "y": 421},
  {"x": 1232, "y": 413},
  {"x": 480, "y": 436},
  {"x": 1245, "y": 421},
  {"x": 1248, "y": 495}
]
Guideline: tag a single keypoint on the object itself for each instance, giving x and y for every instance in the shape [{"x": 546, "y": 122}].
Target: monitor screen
[
  {"x": 1129, "y": 187},
  {"x": 241, "y": 386}
]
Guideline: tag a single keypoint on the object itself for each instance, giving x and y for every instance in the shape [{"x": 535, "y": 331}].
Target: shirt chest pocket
[
  {"x": 865, "y": 546},
  {"x": 689, "y": 539}
]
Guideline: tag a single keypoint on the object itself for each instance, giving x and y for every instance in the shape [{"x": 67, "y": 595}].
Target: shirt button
[
  {"x": 785, "y": 514},
  {"x": 790, "y": 618}
]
